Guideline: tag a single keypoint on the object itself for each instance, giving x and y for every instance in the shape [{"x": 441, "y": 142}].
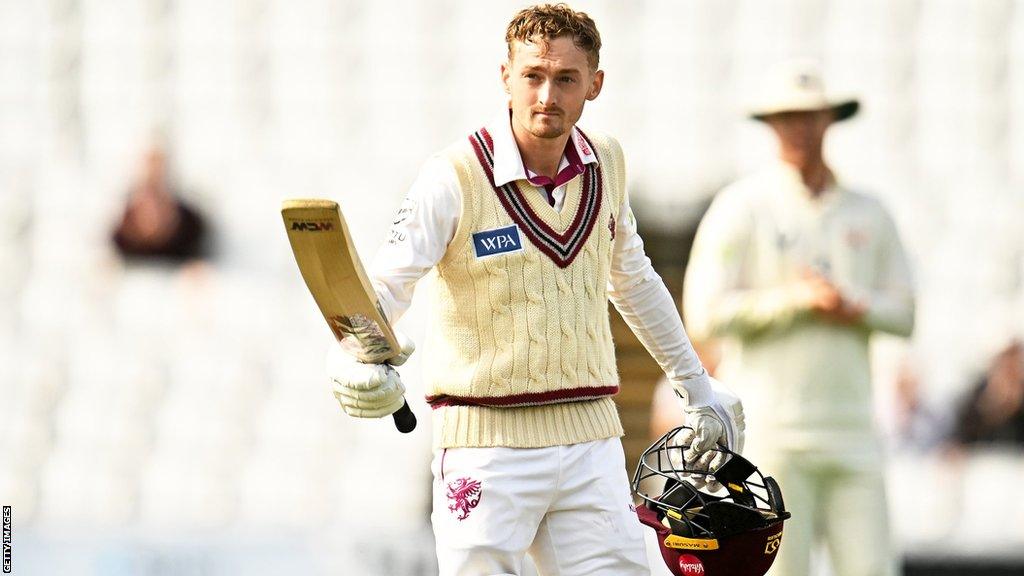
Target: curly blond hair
[{"x": 545, "y": 22}]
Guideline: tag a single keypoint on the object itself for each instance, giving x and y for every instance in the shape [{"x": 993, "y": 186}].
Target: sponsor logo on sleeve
[
  {"x": 497, "y": 241},
  {"x": 405, "y": 213}
]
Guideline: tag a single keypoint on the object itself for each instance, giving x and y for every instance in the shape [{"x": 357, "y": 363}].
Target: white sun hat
[{"x": 797, "y": 86}]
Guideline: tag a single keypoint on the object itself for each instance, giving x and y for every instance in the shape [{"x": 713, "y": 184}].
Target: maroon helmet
[{"x": 722, "y": 522}]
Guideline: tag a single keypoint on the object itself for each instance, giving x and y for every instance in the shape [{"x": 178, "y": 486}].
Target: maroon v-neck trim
[{"x": 561, "y": 247}]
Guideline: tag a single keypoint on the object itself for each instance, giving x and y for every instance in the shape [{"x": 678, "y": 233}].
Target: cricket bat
[{"x": 335, "y": 277}]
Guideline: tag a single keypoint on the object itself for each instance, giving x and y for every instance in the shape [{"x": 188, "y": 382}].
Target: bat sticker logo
[
  {"x": 464, "y": 495},
  {"x": 312, "y": 226}
]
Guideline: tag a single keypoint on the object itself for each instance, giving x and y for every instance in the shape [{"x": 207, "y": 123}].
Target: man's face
[
  {"x": 800, "y": 134},
  {"x": 548, "y": 86}
]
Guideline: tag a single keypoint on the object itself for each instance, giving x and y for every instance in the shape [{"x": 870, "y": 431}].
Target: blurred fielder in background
[
  {"x": 796, "y": 271},
  {"x": 527, "y": 226}
]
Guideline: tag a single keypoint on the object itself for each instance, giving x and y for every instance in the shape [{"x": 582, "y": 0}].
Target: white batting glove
[
  {"x": 720, "y": 421},
  {"x": 368, "y": 390}
]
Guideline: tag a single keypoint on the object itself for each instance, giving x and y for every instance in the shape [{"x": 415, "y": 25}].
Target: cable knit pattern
[{"x": 521, "y": 353}]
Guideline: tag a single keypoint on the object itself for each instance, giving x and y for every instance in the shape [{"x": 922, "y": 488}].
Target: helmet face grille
[
  {"x": 682, "y": 496},
  {"x": 724, "y": 521}
]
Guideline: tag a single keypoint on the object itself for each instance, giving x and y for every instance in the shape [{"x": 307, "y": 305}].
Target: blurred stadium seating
[{"x": 158, "y": 420}]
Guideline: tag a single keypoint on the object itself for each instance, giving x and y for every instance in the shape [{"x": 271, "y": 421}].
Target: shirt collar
[
  {"x": 794, "y": 183},
  {"x": 508, "y": 162}
]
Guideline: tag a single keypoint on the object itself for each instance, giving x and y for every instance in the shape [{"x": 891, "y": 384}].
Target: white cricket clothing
[
  {"x": 568, "y": 507},
  {"x": 426, "y": 223},
  {"x": 844, "y": 503},
  {"x": 805, "y": 382}
]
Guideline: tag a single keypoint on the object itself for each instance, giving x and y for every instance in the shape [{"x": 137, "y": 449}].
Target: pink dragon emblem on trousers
[{"x": 464, "y": 495}]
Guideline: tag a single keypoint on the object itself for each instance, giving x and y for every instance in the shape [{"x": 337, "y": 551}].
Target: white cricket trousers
[
  {"x": 569, "y": 507},
  {"x": 835, "y": 499}
]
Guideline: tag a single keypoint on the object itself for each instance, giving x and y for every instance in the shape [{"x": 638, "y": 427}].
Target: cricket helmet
[{"x": 718, "y": 522}]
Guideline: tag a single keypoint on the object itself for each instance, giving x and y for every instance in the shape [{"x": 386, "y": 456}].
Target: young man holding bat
[{"x": 527, "y": 225}]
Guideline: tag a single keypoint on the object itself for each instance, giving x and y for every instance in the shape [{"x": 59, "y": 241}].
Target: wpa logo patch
[{"x": 497, "y": 241}]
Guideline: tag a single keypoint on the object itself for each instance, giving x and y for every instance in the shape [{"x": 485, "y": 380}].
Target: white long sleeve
[
  {"x": 419, "y": 236},
  {"x": 646, "y": 305}
]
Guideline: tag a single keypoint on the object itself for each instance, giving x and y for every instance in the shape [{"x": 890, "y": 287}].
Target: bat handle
[{"x": 405, "y": 420}]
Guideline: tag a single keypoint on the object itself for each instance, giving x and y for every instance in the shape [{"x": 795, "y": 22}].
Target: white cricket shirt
[{"x": 805, "y": 382}]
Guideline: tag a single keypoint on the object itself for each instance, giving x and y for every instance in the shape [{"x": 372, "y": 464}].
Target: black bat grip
[{"x": 405, "y": 420}]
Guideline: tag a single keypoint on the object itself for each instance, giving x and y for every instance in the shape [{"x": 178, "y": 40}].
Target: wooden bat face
[{"x": 335, "y": 277}]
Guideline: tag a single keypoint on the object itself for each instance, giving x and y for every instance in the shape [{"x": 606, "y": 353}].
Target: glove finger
[
  {"x": 390, "y": 391},
  {"x": 678, "y": 445},
  {"x": 704, "y": 460},
  {"x": 362, "y": 376},
  {"x": 694, "y": 449},
  {"x": 703, "y": 464},
  {"x": 361, "y": 403},
  {"x": 372, "y": 397},
  {"x": 394, "y": 406},
  {"x": 684, "y": 437},
  {"x": 692, "y": 458},
  {"x": 701, "y": 461},
  {"x": 717, "y": 460},
  {"x": 372, "y": 413},
  {"x": 677, "y": 460},
  {"x": 713, "y": 486},
  {"x": 349, "y": 403},
  {"x": 704, "y": 439},
  {"x": 714, "y": 463}
]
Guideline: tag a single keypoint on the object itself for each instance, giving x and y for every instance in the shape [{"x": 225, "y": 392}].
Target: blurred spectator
[
  {"x": 917, "y": 427},
  {"x": 157, "y": 223},
  {"x": 993, "y": 412},
  {"x": 794, "y": 271}
]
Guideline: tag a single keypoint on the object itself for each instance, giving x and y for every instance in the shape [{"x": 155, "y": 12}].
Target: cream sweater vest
[{"x": 519, "y": 352}]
